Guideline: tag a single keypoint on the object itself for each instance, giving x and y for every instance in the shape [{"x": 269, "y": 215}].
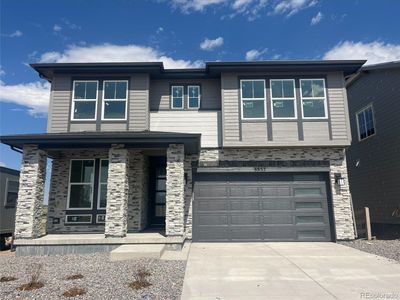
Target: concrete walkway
[{"x": 287, "y": 271}]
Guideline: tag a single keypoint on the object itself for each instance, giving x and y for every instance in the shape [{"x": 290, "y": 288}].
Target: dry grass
[
  {"x": 140, "y": 281},
  {"x": 35, "y": 271},
  {"x": 73, "y": 292},
  {"x": 7, "y": 278},
  {"x": 74, "y": 277}
]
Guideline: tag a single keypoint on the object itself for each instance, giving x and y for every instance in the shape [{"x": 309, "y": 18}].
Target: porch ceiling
[{"x": 143, "y": 139}]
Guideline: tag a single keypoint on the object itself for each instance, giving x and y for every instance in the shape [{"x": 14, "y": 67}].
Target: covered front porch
[{"x": 105, "y": 188}]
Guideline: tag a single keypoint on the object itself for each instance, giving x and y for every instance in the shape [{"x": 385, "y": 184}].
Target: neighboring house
[
  {"x": 9, "y": 182},
  {"x": 374, "y": 156},
  {"x": 235, "y": 151}
]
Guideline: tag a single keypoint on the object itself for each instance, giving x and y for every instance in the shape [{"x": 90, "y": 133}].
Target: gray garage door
[{"x": 261, "y": 207}]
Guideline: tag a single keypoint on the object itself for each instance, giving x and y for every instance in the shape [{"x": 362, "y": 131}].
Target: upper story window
[
  {"x": 283, "y": 99},
  {"x": 365, "y": 123},
  {"x": 12, "y": 187},
  {"x": 84, "y": 100},
  {"x": 253, "y": 98},
  {"x": 313, "y": 97},
  {"x": 193, "y": 92},
  {"x": 115, "y": 97},
  {"x": 177, "y": 97}
]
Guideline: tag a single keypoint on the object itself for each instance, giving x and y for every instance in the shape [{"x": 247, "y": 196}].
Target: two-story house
[{"x": 234, "y": 151}]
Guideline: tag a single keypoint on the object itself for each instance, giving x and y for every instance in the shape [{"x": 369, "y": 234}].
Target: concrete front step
[{"x": 126, "y": 252}]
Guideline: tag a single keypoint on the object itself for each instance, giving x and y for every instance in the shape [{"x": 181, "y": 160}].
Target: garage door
[{"x": 261, "y": 207}]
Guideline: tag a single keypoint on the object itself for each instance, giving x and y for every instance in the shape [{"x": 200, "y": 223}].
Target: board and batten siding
[
  {"x": 61, "y": 97},
  {"x": 332, "y": 132},
  {"x": 208, "y": 123}
]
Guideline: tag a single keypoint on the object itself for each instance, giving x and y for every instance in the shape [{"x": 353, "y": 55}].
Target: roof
[
  {"x": 9, "y": 171},
  {"x": 386, "y": 65},
  {"x": 210, "y": 69},
  {"x": 143, "y": 139}
]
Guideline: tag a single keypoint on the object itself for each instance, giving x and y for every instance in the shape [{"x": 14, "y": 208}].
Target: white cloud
[
  {"x": 187, "y": 6},
  {"x": 249, "y": 8},
  {"x": 57, "y": 28},
  {"x": 292, "y": 7},
  {"x": 209, "y": 44},
  {"x": 34, "y": 95},
  {"x": 374, "y": 52},
  {"x": 115, "y": 53},
  {"x": 16, "y": 33},
  {"x": 255, "y": 54},
  {"x": 317, "y": 18},
  {"x": 2, "y": 164}
]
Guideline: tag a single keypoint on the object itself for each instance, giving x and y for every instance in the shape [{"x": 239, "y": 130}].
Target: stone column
[
  {"x": 174, "y": 219},
  {"x": 31, "y": 193},
  {"x": 117, "y": 192}
]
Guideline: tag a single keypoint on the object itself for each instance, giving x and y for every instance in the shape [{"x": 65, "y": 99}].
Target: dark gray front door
[{"x": 261, "y": 207}]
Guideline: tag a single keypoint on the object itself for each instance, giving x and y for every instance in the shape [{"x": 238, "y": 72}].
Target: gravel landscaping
[
  {"x": 93, "y": 273},
  {"x": 385, "y": 248}
]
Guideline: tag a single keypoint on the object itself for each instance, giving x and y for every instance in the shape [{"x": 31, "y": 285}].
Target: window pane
[
  {"x": 13, "y": 186},
  {"x": 247, "y": 89},
  {"x": 193, "y": 91},
  {"x": 91, "y": 90},
  {"x": 109, "y": 90},
  {"x": 362, "y": 125},
  {"x": 84, "y": 109},
  {"x": 193, "y": 102},
  {"x": 114, "y": 109},
  {"x": 79, "y": 90},
  {"x": 370, "y": 121},
  {"x": 121, "y": 90},
  {"x": 258, "y": 89},
  {"x": 307, "y": 191},
  {"x": 177, "y": 102},
  {"x": 318, "y": 88},
  {"x": 161, "y": 185},
  {"x": 311, "y": 234},
  {"x": 103, "y": 196},
  {"x": 11, "y": 199},
  {"x": 308, "y": 205},
  {"x": 104, "y": 171},
  {"x": 283, "y": 108},
  {"x": 101, "y": 218},
  {"x": 80, "y": 196},
  {"x": 314, "y": 108},
  {"x": 306, "y": 89},
  {"x": 76, "y": 171},
  {"x": 309, "y": 219},
  {"x": 79, "y": 219},
  {"x": 88, "y": 170},
  {"x": 276, "y": 87},
  {"x": 177, "y": 91},
  {"x": 253, "y": 109},
  {"x": 160, "y": 197},
  {"x": 288, "y": 89}
]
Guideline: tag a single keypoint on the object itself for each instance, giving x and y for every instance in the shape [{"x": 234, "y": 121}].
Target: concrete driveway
[{"x": 287, "y": 271}]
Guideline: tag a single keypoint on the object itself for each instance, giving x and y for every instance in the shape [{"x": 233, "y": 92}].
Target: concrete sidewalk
[{"x": 287, "y": 271}]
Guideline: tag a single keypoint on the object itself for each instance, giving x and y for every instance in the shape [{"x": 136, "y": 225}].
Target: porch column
[
  {"x": 117, "y": 192},
  {"x": 31, "y": 193},
  {"x": 175, "y": 199}
]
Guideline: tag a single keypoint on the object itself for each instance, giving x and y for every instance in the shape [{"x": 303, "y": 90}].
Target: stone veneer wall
[
  {"x": 138, "y": 174},
  {"x": 175, "y": 198},
  {"x": 31, "y": 193},
  {"x": 336, "y": 156},
  {"x": 58, "y": 196}
]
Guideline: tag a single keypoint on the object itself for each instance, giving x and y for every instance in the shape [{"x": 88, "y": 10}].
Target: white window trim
[
  {"x": 116, "y": 100},
  {"x": 253, "y": 99},
  {"x": 97, "y": 218},
  {"x": 314, "y": 98},
  {"x": 283, "y": 99},
  {"x": 199, "y": 97},
  {"x": 183, "y": 97},
  {"x": 358, "y": 125},
  {"x": 6, "y": 192},
  {"x": 80, "y": 215},
  {"x": 82, "y": 100},
  {"x": 82, "y": 183},
  {"x": 99, "y": 187}
]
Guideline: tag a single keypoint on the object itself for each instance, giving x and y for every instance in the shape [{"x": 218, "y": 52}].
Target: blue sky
[{"x": 182, "y": 33}]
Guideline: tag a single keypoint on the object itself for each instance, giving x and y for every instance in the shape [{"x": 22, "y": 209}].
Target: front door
[{"x": 157, "y": 191}]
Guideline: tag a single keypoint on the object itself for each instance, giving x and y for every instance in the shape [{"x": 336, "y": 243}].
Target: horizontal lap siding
[
  {"x": 285, "y": 131},
  {"x": 60, "y": 98},
  {"x": 139, "y": 102},
  {"x": 230, "y": 107}
]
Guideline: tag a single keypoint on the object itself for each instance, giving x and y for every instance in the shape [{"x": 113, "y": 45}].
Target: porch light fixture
[{"x": 339, "y": 180}]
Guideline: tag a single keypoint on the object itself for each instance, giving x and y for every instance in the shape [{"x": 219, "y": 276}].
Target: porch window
[
  {"x": 253, "y": 99},
  {"x": 115, "y": 95},
  {"x": 102, "y": 201},
  {"x": 81, "y": 184},
  {"x": 313, "y": 97},
  {"x": 12, "y": 187},
  {"x": 84, "y": 100}
]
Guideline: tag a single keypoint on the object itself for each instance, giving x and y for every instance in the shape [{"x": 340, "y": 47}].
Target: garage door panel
[
  {"x": 205, "y": 191},
  {"x": 211, "y": 205},
  {"x": 212, "y": 219},
  {"x": 244, "y": 191},
  {"x": 277, "y": 204},
  {"x": 244, "y": 204},
  {"x": 245, "y": 233},
  {"x": 245, "y": 219},
  {"x": 275, "y": 191},
  {"x": 212, "y": 233},
  {"x": 282, "y": 218},
  {"x": 279, "y": 233}
]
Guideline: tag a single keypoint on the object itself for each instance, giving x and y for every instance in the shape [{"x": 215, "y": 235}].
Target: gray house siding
[
  {"x": 328, "y": 132},
  {"x": 375, "y": 182},
  {"x": 7, "y": 213},
  {"x": 61, "y": 98}
]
